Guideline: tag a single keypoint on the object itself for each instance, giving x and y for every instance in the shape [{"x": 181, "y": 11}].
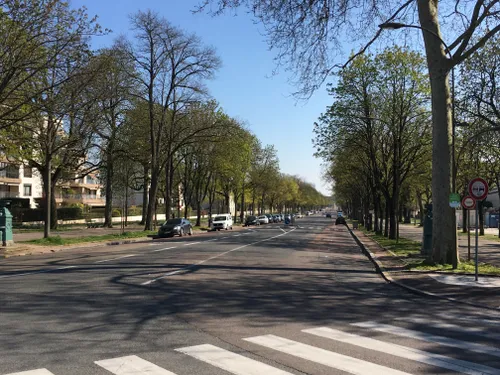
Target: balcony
[
  {"x": 88, "y": 199},
  {"x": 9, "y": 194},
  {"x": 9, "y": 174}
]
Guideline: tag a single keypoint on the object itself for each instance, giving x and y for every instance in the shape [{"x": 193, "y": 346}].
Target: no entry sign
[
  {"x": 468, "y": 203},
  {"x": 478, "y": 189}
]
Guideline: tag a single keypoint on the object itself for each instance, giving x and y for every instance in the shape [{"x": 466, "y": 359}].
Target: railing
[
  {"x": 9, "y": 194},
  {"x": 80, "y": 198},
  {"x": 9, "y": 173}
]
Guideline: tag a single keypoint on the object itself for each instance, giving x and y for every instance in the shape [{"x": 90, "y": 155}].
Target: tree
[
  {"x": 308, "y": 36},
  {"x": 170, "y": 67},
  {"x": 34, "y": 35},
  {"x": 113, "y": 92}
]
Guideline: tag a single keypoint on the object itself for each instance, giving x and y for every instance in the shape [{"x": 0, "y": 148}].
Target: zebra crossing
[{"x": 238, "y": 361}]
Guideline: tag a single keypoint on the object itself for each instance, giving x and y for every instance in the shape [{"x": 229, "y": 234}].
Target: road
[{"x": 272, "y": 300}]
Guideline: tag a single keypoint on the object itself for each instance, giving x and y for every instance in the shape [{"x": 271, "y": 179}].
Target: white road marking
[
  {"x": 465, "y": 345},
  {"x": 236, "y": 235},
  {"x": 417, "y": 355},
  {"x": 165, "y": 248},
  {"x": 284, "y": 231},
  {"x": 451, "y": 327},
  {"x": 331, "y": 359},
  {"x": 213, "y": 239},
  {"x": 41, "y": 371},
  {"x": 209, "y": 259},
  {"x": 190, "y": 243},
  {"x": 35, "y": 272},
  {"x": 231, "y": 362},
  {"x": 122, "y": 257},
  {"x": 132, "y": 365}
]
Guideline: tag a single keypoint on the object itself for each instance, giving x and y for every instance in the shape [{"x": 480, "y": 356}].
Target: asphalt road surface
[{"x": 272, "y": 300}]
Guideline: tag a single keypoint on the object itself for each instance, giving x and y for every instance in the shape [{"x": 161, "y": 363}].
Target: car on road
[
  {"x": 263, "y": 219},
  {"x": 222, "y": 221},
  {"x": 329, "y": 215},
  {"x": 340, "y": 220},
  {"x": 251, "y": 220},
  {"x": 173, "y": 227}
]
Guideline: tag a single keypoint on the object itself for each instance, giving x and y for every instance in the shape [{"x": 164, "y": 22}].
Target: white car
[
  {"x": 263, "y": 219},
  {"x": 222, "y": 221}
]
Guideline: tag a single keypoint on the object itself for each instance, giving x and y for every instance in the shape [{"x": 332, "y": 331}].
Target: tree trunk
[
  {"x": 444, "y": 238},
  {"x": 145, "y": 194},
  {"x": 386, "y": 220},
  {"x": 53, "y": 207},
  {"x": 152, "y": 199},
  {"x": 198, "y": 213},
  {"x": 108, "y": 208},
  {"x": 242, "y": 205},
  {"x": 48, "y": 191},
  {"x": 464, "y": 220},
  {"x": 420, "y": 208},
  {"x": 480, "y": 208}
]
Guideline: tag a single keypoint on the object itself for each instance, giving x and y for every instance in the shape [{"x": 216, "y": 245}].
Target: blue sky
[{"x": 244, "y": 86}]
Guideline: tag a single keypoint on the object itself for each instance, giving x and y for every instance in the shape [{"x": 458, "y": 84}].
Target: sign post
[
  {"x": 469, "y": 204},
  {"x": 478, "y": 189}
]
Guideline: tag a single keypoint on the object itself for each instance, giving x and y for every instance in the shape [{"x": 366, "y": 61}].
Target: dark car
[
  {"x": 340, "y": 220},
  {"x": 329, "y": 215},
  {"x": 175, "y": 226},
  {"x": 270, "y": 218},
  {"x": 251, "y": 220}
]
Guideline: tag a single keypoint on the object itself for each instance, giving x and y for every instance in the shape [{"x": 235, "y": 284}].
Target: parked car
[
  {"x": 276, "y": 219},
  {"x": 269, "y": 217},
  {"x": 329, "y": 215},
  {"x": 175, "y": 227},
  {"x": 251, "y": 220},
  {"x": 263, "y": 219},
  {"x": 340, "y": 220},
  {"x": 222, "y": 221},
  {"x": 298, "y": 215}
]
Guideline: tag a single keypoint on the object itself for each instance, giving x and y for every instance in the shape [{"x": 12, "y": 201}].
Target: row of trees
[
  {"x": 137, "y": 113},
  {"x": 376, "y": 137}
]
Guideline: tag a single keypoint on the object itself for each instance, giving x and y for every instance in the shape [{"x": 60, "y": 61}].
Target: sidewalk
[
  {"x": 458, "y": 288},
  {"x": 489, "y": 250}
]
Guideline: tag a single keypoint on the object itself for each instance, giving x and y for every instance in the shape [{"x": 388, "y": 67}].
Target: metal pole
[
  {"x": 477, "y": 240},
  {"x": 468, "y": 235}
]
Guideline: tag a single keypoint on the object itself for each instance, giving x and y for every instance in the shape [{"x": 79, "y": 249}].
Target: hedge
[{"x": 37, "y": 214}]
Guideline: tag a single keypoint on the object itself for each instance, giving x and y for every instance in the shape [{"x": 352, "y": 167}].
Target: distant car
[
  {"x": 329, "y": 215},
  {"x": 251, "y": 220},
  {"x": 340, "y": 220},
  {"x": 175, "y": 227},
  {"x": 263, "y": 219},
  {"x": 269, "y": 217},
  {"x": 222, "y": 221}
]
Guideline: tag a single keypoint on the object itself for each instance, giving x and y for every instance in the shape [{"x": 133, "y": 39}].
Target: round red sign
[
  {"x": 478, "y": 189},
  {"x": 468, "y": 203}
]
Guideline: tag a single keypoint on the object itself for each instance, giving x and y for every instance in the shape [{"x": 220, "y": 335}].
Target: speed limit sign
[{"x": 478, "y": 189}]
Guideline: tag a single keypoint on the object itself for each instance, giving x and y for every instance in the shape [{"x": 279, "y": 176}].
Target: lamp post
[{"x": 397, "y": 25}]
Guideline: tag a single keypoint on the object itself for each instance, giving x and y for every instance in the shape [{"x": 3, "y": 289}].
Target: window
[
  {"x": 27, "y": 171},
  {"x": 27, "y": 190},
  {"x": 9, "y": 170}
]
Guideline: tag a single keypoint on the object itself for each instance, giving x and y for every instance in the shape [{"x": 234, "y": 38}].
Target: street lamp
[{"x": 397, "y": 25}]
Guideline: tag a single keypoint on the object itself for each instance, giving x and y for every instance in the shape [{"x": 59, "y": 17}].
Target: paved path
[
  {"x": 268, "y": 301},
  {"x": 489, "y": 250}
]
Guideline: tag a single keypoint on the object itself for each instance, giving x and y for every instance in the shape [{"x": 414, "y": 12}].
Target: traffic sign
[
  {"x": 454, "y": 200},
  {"x": 478, "y": 189},
  {"x": 468, "y": 203}
]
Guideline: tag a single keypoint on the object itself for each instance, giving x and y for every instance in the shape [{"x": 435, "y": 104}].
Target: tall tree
[{"x": 170, "y": 67}]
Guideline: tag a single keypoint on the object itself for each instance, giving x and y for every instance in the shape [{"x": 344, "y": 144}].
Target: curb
[{"x": 385, "y": 275}]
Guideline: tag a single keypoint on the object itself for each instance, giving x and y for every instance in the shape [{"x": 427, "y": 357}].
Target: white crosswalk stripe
[
  {"x": 231, "y": 362},
  {"x": 445, "y": 341},
  {"x": 132, "y": 365},
  {"x": 334, "y": 360},
  {"x": 417, "y": 355},
  {"x": 41, "y": 371}
]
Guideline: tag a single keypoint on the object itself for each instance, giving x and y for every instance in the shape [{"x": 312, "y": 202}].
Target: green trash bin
[{"x": 6, "y": 227}]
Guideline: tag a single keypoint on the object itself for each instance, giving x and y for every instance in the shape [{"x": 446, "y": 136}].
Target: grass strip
[{"x": 59, "y": 241}]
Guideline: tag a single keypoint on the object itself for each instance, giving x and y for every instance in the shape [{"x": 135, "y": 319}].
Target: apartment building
[{"x": 23, "y": 182}]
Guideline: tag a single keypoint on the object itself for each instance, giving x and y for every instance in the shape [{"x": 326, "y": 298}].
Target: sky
[{"x": 245, "y": 86}]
